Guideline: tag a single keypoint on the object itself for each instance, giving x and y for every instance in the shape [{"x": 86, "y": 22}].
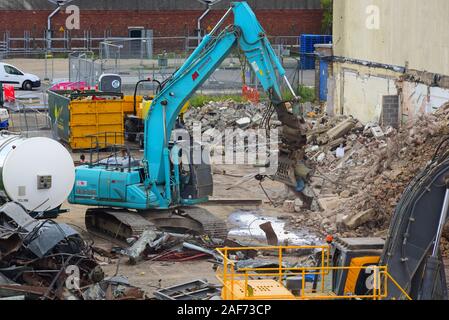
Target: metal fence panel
[
  {"x": 158, "y": 58},
  {"x": 83, "y": 68}
]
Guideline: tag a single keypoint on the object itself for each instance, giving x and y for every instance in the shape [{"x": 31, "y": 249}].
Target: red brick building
[{"x": 163, "y": 18}]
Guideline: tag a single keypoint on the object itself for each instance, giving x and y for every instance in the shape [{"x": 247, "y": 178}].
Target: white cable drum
[{"x": 38, "y": 173}]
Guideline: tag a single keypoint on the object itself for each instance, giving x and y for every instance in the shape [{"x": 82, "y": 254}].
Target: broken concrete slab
[
  {"x": 338, "y": 131},
  {"x": 377, "y": 132},
  {"x": 298, "y": 205},
  {"x": 329, "y": 204},
  {"x": 345, "y": 194},
  {"x": 243, "y": 122},
  {"x": 358, "y": 219}
]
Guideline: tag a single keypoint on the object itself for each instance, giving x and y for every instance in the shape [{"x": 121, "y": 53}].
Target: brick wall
[
  {"x": 164, "y": 23},
  {"x": 157, "y": 4}
]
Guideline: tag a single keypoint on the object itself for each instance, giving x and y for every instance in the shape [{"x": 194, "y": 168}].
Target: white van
[{"x": 12, "y": 75}]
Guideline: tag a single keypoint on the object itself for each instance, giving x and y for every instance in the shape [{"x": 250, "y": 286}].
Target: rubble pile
[
  {"x": 225, "y": 114},
  {"x": 362, "y": 171}
]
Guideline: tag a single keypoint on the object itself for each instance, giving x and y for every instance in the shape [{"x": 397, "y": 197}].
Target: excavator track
[
  {"x": 213, "y": 226},
  {"x": 120, "y": 225},
  {"x": 116, "y": 225}
]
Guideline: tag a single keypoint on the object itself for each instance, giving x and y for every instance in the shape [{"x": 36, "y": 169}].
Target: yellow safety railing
[{"x": 233, "y": 279}]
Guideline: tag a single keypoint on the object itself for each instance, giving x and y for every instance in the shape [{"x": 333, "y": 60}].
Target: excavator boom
[{"x": 249, "y": 36}]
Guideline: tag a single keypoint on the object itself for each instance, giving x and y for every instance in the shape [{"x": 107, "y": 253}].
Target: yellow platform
[
  {"x": 256, "y": 290},
  {"x": 266, "y": 283}
]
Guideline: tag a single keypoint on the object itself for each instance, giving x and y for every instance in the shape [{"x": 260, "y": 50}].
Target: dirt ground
[{"x": 150, "y": 275}]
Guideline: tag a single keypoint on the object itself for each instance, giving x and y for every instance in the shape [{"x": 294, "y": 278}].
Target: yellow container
[
  {"x": 85, "y": 123},
  {"x": 96, "y": 122}
]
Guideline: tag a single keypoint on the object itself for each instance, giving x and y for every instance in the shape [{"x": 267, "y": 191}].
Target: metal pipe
[
  {"x": 218, "y": 25},
  {"x": 290, "y": 87},
  {"x": 443, "y": 217},
  {"x": 199, "y": 23},
  {"x": 49, "y": 25},
  {"x": 51, "y": 16},
  {"x": 201, "y": 249}
]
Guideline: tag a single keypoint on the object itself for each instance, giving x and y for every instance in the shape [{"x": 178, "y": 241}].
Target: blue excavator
[{"x": 131, "y": 196}]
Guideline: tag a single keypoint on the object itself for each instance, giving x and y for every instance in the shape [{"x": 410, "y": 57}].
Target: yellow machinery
[
  {"x": 91, "y": 119},
  {"x": 302, "y": 282},
  {"x": 145, "y": 104},
  {"x": 134, "y": 121}
]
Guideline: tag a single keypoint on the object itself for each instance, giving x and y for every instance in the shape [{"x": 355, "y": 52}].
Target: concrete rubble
[
  {"x": 225, "y": 115},
  {"x": 359, "y": 192},
  {"x": 360, "y": 170}
]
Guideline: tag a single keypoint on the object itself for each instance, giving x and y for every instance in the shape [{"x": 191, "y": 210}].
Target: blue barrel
[{"x": 308, "y": 42}]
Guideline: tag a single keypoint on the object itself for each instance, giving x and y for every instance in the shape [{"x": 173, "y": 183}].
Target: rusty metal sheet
[
  {"x": 15, "y": 290},
  {"x": 9, "y": 244}
]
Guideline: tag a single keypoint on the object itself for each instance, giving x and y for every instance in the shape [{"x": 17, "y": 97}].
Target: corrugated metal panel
[{"x": 157, "y": 4}]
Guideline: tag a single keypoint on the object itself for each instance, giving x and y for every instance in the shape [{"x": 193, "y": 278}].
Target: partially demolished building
[{"x": 391, "y": 59}]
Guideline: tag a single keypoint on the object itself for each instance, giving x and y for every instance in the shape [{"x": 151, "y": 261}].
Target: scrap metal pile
[
  {"x": 362, "y": 170},
  {"x": 43, "y": 259},
  {"x": 154, "y": 245}
]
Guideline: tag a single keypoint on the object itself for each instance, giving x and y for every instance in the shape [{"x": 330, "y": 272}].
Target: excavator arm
[{"x": 249, "y": 36}]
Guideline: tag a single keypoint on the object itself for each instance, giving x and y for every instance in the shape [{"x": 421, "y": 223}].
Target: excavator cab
[{"x": 358, "y": 254}]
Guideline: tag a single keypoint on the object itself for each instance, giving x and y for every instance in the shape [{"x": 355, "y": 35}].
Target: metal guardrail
[
  {"x": 143, "y": 47},
  {"x": 234, "y": 279}
]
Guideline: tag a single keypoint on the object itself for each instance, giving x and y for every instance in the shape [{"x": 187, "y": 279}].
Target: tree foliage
[{"x": 327, "y": 6}]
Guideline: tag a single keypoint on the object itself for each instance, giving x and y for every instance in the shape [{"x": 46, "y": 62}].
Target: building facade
[{"x": 391, "y": 59}]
